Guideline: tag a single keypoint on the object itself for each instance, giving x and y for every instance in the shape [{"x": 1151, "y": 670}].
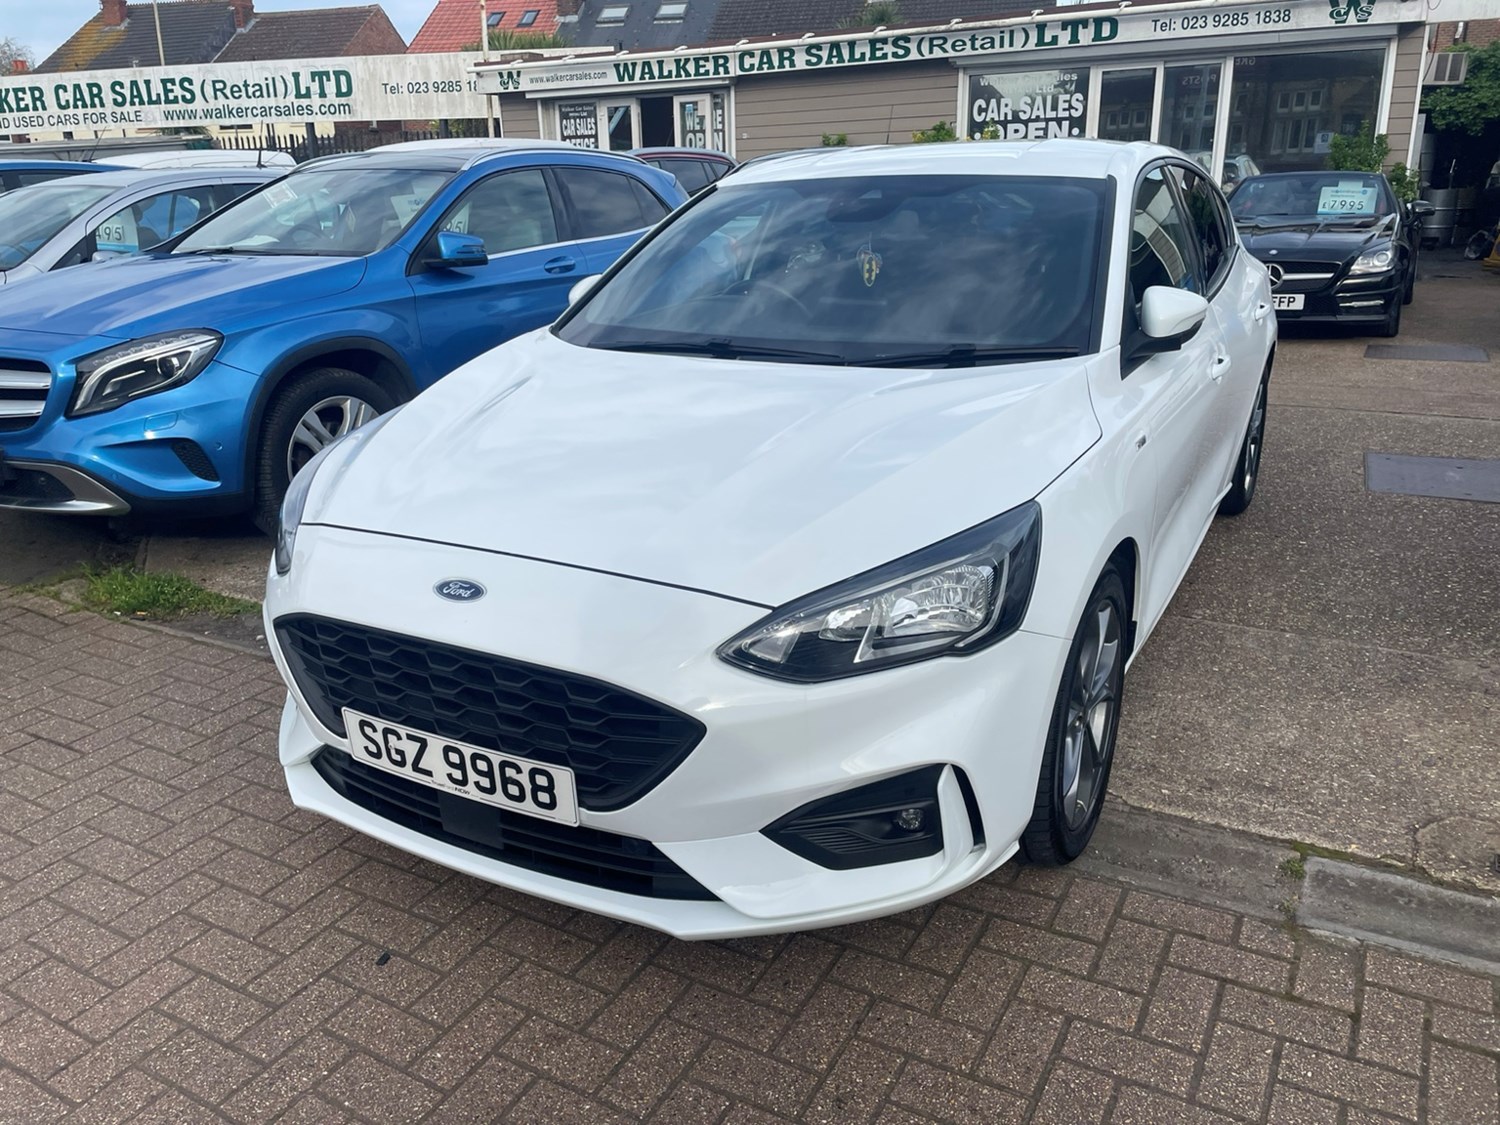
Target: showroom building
[{"x": 1240, "y": 85}]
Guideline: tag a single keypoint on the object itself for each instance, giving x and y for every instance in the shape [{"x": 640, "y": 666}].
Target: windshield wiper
[
  {"x": 728, "y": 349},
  {"x": 209, "y": 251},
  {"x": 968, "y": 355}
]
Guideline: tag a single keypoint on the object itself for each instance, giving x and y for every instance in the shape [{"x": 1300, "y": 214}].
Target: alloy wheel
[
  {"x": 325, "y": 422},
  {"x": 1093, "y": 705}
]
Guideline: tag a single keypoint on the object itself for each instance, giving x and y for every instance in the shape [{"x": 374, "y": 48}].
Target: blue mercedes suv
[{"x": 198, "y": 378}]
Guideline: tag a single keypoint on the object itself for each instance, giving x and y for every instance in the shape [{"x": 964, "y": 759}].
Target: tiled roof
[
  {"x": 641, "y": 30},
  {"x": 738, "y": 19},
  {"x": 192, "y": 31},
  {"x": 288, "y": 35},
  {"x": 454, "y": 24}
]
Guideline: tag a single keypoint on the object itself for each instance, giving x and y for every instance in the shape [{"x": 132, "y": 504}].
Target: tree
[
  {"x": 876, "y": 13},
  {"x": 1475, "y": 104},
  {"x": 13, "y": 51},
  {"x": 506, "y": 39}
]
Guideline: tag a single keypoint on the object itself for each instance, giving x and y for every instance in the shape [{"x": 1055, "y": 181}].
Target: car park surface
[
  {"x": 214, "y": 368},
  {"x": 847, "y": 380},
  {"x": 1340, "y": 246}
]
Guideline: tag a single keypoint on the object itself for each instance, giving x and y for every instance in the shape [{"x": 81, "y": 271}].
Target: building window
[
  {"x": 615, "y": 13},
  {"x": 1286, "y": 108},
  {"x": 669, "y": 13},
  {"x": 494, "y": 19},
  {"x": 528, "y": 17}
]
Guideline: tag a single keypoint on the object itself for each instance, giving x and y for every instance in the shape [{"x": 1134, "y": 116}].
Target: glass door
[
  {"x": 691, "y": 112},
  {"x": 618, "y": 124},
  {"x": 1127, "y": 100},
  {"x": 1190, "y": 109}
]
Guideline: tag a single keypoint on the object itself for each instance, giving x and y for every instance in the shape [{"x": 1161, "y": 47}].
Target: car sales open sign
[
  {"x": 977, "y": 41},
  {"x": 368, "y": 88}
]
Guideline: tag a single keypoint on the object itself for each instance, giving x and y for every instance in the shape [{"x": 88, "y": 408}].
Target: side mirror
[
  {"x": 1169, "y": 318},
  {"x": 1422, "y": 207},
  {"x": 457, "y": 251},
  {"x": 582, "y": 288}
]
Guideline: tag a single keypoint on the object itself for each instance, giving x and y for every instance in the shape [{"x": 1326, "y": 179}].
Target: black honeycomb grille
[
  {"x": 619, "y": 745},
  {"x": 580, "y": 854}
]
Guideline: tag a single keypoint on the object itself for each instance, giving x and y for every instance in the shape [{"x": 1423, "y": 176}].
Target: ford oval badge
[{"x": 459, "y": 590}]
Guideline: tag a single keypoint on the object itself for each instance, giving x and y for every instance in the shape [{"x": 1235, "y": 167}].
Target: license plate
[
  {"x": 1287, "y": 300},
  {"x": 518, "y": 784}
]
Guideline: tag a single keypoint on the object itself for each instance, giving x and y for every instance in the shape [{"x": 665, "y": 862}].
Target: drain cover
[
  {"x": 1452, "y": 478},
  {"x": 1439, "y": 353}
]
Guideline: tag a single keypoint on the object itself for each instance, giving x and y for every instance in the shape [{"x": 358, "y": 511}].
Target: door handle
[
  {"x": 1262, "y": 310},
  {"x": 560, "y": 265},
  {"x": 1220, "y": 366}
]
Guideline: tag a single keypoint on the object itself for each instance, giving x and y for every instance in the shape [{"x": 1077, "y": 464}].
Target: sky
[{"x": 43, "y": 26}]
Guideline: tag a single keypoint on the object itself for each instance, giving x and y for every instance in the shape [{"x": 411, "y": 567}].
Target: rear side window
[
  {"x": 606, "y": 203},
  {"x": 1209, "y": 226},
  {"x": 691, "y": 174},
  {"x": 1161, "y": 242}
]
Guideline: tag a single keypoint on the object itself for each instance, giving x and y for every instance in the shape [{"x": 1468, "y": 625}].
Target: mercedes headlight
[
  {"x": 954, "y": 597},
  {"x": 1377, "y": 260},
  {"x": 294, "y": 503},
  {"x": 112, "y": 377}
]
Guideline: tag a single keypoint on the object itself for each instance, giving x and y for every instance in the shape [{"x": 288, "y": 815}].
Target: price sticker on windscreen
[{"x": 1347, "y": 200}]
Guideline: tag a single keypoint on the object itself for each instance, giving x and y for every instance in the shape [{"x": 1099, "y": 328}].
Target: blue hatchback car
[{"x": 199, "y": 378}]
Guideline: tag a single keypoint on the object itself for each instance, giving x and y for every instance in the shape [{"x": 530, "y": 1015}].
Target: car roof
[
  {"x": 8, "y": 165},
  {"x": 1314, "y": 172},
  {"x": 1084, "y": 159},
  {"x": 145, "y": 177},
  {"x": 205, "y": 158},
  {"x": 685, "y": 153},
  {"x": 453, "y": 154}
]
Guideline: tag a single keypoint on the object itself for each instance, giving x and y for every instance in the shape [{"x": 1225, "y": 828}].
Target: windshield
[
  {"x": 345, "y": 212},
  {"x": 888, "y": 270},
  {"x": 1310, "y": 196},
  {"x": 31, "y": 216}
]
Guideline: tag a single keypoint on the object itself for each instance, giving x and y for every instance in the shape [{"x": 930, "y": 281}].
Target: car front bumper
[
  {"x": 1353, "y": 299},
  {"x": 182, "y": 450},
  {"x": 769, "y": 747}
]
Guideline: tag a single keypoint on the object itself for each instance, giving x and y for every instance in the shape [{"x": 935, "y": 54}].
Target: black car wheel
[
  {"x": 1080, "y": 746},
  {"x": 311, "y": 411},
  {"x": 1391, "y": 325}
]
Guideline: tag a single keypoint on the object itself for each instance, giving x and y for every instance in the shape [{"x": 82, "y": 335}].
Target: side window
[
  {"x": 1161, "y": 250},
  {"x": 690, "y": 174},
  {"x": 149, "y": 221},
  {"x": 26, "y": 179},
  {"x": 1207, "y": 216},
  {"x": 225, "y": 194},
  {"x": 606, "y": 203},
  {"x": 510, "y": 211},
  {"x": 716, "y": 170}
]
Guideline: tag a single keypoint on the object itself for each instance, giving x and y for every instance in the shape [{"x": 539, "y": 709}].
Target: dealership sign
[
  {"x": 957, "y": 44},
  {"x": 367, "y": 88}
]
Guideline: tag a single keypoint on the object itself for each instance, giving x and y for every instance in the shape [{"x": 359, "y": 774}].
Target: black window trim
[
  {"x": 1231, "y": 236},
  {"x": 1130, "y": 327}
]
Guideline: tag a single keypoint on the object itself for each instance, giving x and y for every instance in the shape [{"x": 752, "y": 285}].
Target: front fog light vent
[{"x": 883, "y": 822}]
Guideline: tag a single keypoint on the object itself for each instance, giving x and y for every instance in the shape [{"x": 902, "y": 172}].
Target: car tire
[
  {"x": 1391, "y": 325},
  {"x": 1247, "y": 464},
  {"x": 1079, "y": 753},
  {"x": 331, "y": 401}
]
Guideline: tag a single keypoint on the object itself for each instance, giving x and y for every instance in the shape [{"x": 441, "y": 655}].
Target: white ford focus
[{"x": 791, "y": 577}]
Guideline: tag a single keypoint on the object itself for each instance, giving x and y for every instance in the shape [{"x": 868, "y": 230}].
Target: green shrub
[
  {"x": 835, "y": 140},
  {"x": 942, "y": 131}
]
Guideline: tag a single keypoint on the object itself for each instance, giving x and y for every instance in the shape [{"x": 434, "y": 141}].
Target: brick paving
[{"x": 178, "y": 943}]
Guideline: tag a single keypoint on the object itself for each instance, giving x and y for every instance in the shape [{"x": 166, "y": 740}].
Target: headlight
[
  {"x": 114, "y": 376},
  {"x": 1378, "y": 260},
  {"x": 294, "y": 503},
  {"x": 956, "y": 596}
]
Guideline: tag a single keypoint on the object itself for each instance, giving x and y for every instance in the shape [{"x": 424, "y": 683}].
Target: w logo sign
[{"x": 1339, "y": 10}]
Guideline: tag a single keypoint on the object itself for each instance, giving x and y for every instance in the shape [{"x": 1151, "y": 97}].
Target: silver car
[{"x": 66, "y": 222}]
